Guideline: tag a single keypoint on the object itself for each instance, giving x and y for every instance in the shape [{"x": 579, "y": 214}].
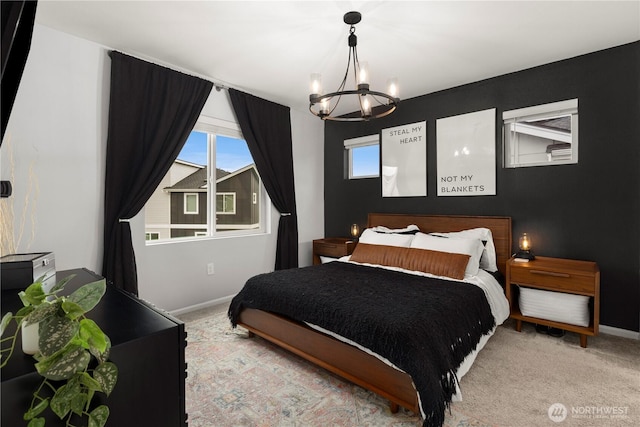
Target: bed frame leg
[{"x": 394, "y": 407}]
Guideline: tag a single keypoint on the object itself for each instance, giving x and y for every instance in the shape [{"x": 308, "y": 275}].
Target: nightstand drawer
[
  {"x": 556, "y": 280},
  {"x": 332, "y": 247}
]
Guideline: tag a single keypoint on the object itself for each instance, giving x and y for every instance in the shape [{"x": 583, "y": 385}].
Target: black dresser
[{"x": 148, "y": 346}]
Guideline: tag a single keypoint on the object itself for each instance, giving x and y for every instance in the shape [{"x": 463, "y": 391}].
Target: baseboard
[
  {"x": 625, "y": 333},
  {"x": 202, "y": 305}
]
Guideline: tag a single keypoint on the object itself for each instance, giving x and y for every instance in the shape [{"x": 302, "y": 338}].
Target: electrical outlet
[{"x": 210, "y": 268}]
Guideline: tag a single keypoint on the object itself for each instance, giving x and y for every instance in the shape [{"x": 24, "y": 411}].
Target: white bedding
[{"x": 497, "y": 301}]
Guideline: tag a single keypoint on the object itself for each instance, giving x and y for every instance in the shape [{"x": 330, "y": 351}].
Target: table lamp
[{"x": 525, "y": 252}]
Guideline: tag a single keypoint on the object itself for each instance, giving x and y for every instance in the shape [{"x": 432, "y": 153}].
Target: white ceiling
[{"x": 270, "y": 48}]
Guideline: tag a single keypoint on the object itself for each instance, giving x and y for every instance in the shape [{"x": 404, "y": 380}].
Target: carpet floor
[{"x": 519, "y": 379}]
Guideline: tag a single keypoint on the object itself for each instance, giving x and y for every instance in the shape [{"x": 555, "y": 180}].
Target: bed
[{"x": 355, "y": 360}]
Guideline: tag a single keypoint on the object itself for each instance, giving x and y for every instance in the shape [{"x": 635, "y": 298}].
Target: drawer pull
[{"x": 550, "y": 273}]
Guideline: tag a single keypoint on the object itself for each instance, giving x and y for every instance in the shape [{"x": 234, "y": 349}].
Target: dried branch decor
[{"x": 11, "y": 234}]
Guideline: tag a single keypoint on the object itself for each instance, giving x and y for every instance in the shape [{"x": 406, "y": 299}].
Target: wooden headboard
[{"x": 500, "y": 228}]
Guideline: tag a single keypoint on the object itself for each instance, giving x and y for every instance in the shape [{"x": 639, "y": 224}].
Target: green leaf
[
  {"x": 24, "y": 311},
  {"x": 78, "y": 403},
  {"x": 64, "y": 365},
  {"x": 33, "y": 295},
  {"x": 102, "y": 356},
  {"x": 106, "y": 374},
  {"x": 34, "y": 411},
  {"x": 87, "y": 381},
  {"x": 72, "y": 309},
  {"x": 41, "y": 312},
  {"x": 55, "y": 334},
  {"x": 98, "y": 417},
  {"x": 36, "y": 422},
  {"x": 58, "y": 286},
  {"x": 61, "y": 401},
  {"x": 5, "y": 322},
  {"x": 91, "y": 333},
  {"x": 88, "y": 296}
]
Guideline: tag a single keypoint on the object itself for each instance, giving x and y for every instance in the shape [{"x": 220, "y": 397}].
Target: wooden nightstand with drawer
[
  {"x": 332, "y": 247},
  {"x": 557, "y": 275}
]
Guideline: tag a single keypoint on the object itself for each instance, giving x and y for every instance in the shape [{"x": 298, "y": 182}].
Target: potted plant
[{"x": 72, "y": 355}]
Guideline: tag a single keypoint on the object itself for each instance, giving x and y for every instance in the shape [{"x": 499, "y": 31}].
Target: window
[
  {"x": 541, "y": 135},
  {"x": 190, "y": 203},
  {"x": 212, "y": 189},
  {"x": 226, "y": 203},
  {"x": 363, "y": 156}
]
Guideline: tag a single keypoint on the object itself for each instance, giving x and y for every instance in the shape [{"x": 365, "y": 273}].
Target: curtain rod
[{"x": 218, "y": 86}]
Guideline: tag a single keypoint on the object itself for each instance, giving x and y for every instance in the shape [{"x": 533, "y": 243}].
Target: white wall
[{"x": 58, "y": 126}]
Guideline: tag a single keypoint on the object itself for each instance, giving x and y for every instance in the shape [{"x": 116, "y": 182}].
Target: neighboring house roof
[
  {"x": 197, "y": 181},
  {"x": 184, "y": 162},
  {"x": 237, "y": 172}
]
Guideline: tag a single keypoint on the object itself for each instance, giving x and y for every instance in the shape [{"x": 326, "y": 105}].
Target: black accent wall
[{"x": 590, "y": 210}]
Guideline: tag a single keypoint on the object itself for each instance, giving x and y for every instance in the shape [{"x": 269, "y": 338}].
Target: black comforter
[{"x": 424, "y": 326}]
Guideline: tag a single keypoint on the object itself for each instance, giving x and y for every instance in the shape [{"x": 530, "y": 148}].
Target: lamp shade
[{"x": 525, "y": 242}]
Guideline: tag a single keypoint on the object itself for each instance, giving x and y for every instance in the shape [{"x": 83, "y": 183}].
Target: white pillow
[
  {"x": 410, "y": 229},
  {"x": 488, "y": 260},
  {"x": 471, "y": 247},
  {"x": 371, "y": 237}
]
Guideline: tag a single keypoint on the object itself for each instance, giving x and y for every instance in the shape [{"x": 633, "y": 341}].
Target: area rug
[{"x": 234, "y": 380}]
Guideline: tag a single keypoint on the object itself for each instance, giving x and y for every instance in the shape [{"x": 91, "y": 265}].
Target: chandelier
[{"x": 372, "y": 104}]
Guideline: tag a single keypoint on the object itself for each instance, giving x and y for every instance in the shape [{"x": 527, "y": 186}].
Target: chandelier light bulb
[
  {"x": 366, "y": 106},
  {"x": 316, "y": 83},
  {"x": 324, "y": 106},
  {"x": 363, "y": 75},
  {"x": 392, "y": 87}
]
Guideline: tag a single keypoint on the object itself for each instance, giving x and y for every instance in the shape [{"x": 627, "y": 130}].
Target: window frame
[{"x": 353, "y": 144}]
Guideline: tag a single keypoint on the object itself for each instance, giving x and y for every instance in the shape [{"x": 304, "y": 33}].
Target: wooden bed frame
[{"x": 348, "y": 361}]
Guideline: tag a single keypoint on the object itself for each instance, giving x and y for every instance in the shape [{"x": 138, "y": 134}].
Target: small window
[
  {"x": 191, "y": 203},
  {"x": 226, "y": 203},
  {"x": 363, "y": 156},
  {"x": 541, "y": 135},
  {"x": 151, "y": 236}
]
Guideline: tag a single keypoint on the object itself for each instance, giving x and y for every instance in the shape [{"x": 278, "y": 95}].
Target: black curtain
[
  {"x": 152, "y": 111},
  {"x": 266, "y": 126},
  {"x": 17, "y": 28}
]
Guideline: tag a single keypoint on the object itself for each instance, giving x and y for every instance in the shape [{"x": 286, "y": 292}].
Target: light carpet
[{"x": 238, "y": 381}]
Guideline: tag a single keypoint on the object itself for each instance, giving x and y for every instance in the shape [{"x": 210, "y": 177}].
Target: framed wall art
[
  {"x": 466, "y": 154},
  {"x": 404, "y": 160}
]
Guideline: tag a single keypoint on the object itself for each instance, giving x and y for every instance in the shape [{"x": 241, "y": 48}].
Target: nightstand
[
  {"x": 558, "y": 275},
  {"x": 333, "y": 247}
]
